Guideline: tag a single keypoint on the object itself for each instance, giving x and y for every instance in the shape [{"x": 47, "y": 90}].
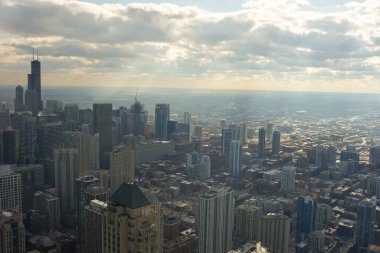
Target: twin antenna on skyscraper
[{"x": 34, "y": 49}]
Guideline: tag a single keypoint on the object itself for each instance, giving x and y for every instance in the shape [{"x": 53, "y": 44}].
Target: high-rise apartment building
[
  {"x": 247, "y": 221},
  {"x": 123, "y": 162},
  {"x": 374, "y": 156},
  {"x": 276, "y": 142},
  {"x": 49, "y": 203},
  {"x": 274, "y": 232},
  {"x": 261, "y": 144},
  {"x": 204, "y": 167},
  {"x": 162, "y": 113},
  {"x": 366, "y": 223},
  {"x": 102, "y": 124},
  {"x": 306, "y": 209},
  {"x": 215, "y": 220},
  {"x": 94, "y": 226},
  {"x": 228, "y": 135},
  {"x": 131, "y": 223},
  {"x": 235, "y": 158},
  {"x": 12, "y": 231},
  {"x": 322, "y": 216},
  {"x": 269, "y": 131},
  {"x": 10, "y": 190},
  {"x": 287, "y": 178}
]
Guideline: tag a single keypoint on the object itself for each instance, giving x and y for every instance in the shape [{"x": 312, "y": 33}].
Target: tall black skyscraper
[
  {"x": 261, "y": 144},
  {"x": 276, "y": 142},
  {"x": 19, "y": 100},
  {"x": 102, "y": 124},
  {"x": 139, "y": 118},
  {"x": 161, "y": 121},
  {"x": 33, "y": 93}
]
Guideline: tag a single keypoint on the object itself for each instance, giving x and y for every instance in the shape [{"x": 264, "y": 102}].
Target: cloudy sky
[{"x": 319, "y": 45}]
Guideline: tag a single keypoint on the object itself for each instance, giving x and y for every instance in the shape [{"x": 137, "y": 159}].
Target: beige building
[
  {"x": 122, "y": 166},
  {"x": 131, "y": 222},
  {"x": 247, "y": 221},
  {"x": 94, "y": 226},
  {"x": 274, "y": 232},
  {"x": 12, "y": 233}
]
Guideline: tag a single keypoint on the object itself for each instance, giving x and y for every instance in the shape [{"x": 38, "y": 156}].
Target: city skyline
[{"x": 291, "y": 45}]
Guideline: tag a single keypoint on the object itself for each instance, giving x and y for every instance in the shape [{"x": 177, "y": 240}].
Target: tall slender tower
[
  {"x": 235, "y": 158},
  {"x": 215, "y": 220},
  {"x": 274, "y": 232},
  {"x": 276, "y": 142},
  {"x": 161, "y": 122},
  {"x": 33, "y": 93},
  {"x": 261, "y": 145},
  {"x": 102, "y": 124},
  {"x": 366, "y": 223},
  {"x": 19, "y": 100}
]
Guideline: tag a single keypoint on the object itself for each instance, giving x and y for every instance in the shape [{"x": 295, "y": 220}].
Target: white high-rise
[
  {"x": 215, "y": 220},
  {"x": 204, "y": 167},
  {"x": 287, "y": 178},
  {"x": 10, "y": 190},
  {"x": 122, "y": 167},
  {"x": 235, "y": 158},
  {"x": 274, "y": 232}
]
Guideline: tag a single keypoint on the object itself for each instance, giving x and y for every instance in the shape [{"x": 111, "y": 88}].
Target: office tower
[
  {"x": 49, "y": 138},
  {"x": 10, "y": 190},
  {"x": 116, "y": 131},
  {"x": 131, "y": 222},
  {"x": 274, "y": 232},
  {"x": 321, "y": 158},
  {"x": 71, "y": 112},
  {"x": 12, "y": 231},
  {"x": 365, "y": 223},
  {"x": 316, "y": 241},
  {"x": 276, "y": 142},
  {"x": 55, "y": 106},
  {"x": 86, "y": 189},
  {"x": 47, "y": 202},
  {"x": 311, "y": 154},
  {"x": 261, "y": 144},
  {"x": 139, "y": 118},
  {"x": 215, "y": 220},
  {"x": 188, "y": 121},
  {"x": 346, "y": 155},
  {"x": 246, "y": 222},
  {"x": 66, "y": 162},
  {"x": 123, "y": 162},
  {"x": 33, "y": 93},
  {"x": 102, "y": 124},
  {"x": 75, "y": 140},
  {"x": 94, "y": 226},
  {"x": 198, "y": 132},
  {"x": 287, "y": 178},
  {"x": 239, "y": 132},
  {"x": 227, "y": 136},
  {"x": 269, "y": 131},
  {"x": 306, "y": 209},
  {"x": 323, "y": 215},
  {"x": 25, "y": 124},
  {"x": 10, "y": 146},
  {"x": 204, "y": 167},
  {"x": 235, "y": 158},
  {"x": 374, "y": 156},
  {"x": 171, "y": 128},
  {"x": 162, "y": 113},
  {"x": 19, "y": 100},
  {"x": 4, "y": 120},
  {"x": 32, "y": 179},
  {"x": 85, "y": 117},
  {"x": 331, "y": 156}
]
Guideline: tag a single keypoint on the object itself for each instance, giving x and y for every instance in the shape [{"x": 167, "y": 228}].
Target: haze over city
[{"x": 231, "y": 44}]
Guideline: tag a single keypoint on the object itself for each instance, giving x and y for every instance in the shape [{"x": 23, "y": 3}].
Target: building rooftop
[{"x": 129, "y": 195}]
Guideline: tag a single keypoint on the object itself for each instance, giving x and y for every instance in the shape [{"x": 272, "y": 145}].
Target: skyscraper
[
  {"x": 162, "y": 113},
  {"x": 227, "y": 136},
  {"x": 215, "y": 220},
  {"x": 374, "y": 156},
  {"x": 306, "y": 209},
  {"x": 269, "y": 131},
  {"x": 102, "y": 124},
  {"x": 187, "y": 120},
  {"x": 123, "y": 161},
  {"x": 139, "y": 118},
  {"x": 276, "y": 142},
  {"x": 94, "y": 225},
  {"x": 366, "y": 223},
  {"x": 131, "y": 222},
  {"x": 204, "y": 167},
  {"x": 322, "y": 216},
  {"x": 261, "y": 144},
  {"x": 287, "y": 178},
  {"x": 274, "y": 232},
  {"x": 19, "y": 100},
  {"x": 10, "y": 193},
  {"x": 12, "y": 231},
  {"x": 33, "y": 93},
  {"x": 235, "y": 158},
  {"x": 331, "y": 156},
  {"x": 10, "y": 146},
  {"x": 247, "y": 221}
]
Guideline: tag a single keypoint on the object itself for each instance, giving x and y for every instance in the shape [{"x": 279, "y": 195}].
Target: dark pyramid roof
[{"x": 129, "y": 195}]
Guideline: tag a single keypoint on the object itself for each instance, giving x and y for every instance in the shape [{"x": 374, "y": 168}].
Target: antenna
[
  {"x": 37, "y": 54},
  {"x": 33, "y": 53},
  {"x": 137, "y": 91}
]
